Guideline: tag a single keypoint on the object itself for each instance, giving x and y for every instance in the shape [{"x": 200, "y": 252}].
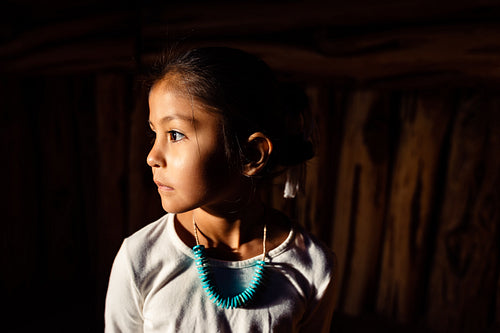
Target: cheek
[
  {"x": 181, "y": 166},
  {"x": 189, "y": 172},
  {"x": 217, "y": 171}
]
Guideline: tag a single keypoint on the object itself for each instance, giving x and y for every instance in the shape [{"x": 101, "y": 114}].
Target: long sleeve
[
  {"x": 154, "y": 287},
  {"x": 123, "y": 312},
  {"x": 320, "y": 315}
]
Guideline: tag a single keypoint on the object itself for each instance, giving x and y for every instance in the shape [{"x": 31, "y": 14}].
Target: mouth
[{"x": 163, "y": 187}]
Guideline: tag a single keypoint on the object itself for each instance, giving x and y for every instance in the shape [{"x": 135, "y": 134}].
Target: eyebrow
[{"x": 174, "y": 117}]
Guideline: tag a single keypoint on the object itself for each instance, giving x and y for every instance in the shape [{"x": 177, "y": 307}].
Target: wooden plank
[
  {"x": 328, "y": 43},
  {"x": 55, "y": 33},
  {"x": 74, "y": 57},
  {"x": 361, "y": 198},
  {"x": 91, "y": 306},
  {"x": 424, "y": 119},
  {"x": 496, "y": 325},
  {"x": 409, "y": 57},
  {"x": 249, "y": 18},
  {"x": 60, "y": 190},
  {"x": 497, "y": 305},
  {"x": 466, "y": 265},
  {"x": 20, "y": 204},
  {"x": 336, "y": 42}
]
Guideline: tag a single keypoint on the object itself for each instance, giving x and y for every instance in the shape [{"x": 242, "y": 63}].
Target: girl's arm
[
  {"x": 319, "y": 318},
  {"x": 123, "y": 311}
]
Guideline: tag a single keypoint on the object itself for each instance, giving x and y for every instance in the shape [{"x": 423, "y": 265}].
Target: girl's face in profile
[{"x": 188, "y": 159}]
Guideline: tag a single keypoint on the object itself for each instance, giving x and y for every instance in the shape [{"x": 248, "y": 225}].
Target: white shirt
[{"x": 154, "y": 287}]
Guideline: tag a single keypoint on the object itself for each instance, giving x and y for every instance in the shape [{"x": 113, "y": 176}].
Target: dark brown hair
[{"x": 243, "y": 90}]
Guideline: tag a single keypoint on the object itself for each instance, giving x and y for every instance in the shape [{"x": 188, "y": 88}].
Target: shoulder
[
  {"x": 308, "y": 264},
  {"x": 150, "y": 234},
  {"x": 309, "y": 257},
  {"x": 146, "y": 246},
  {"x": 313, "y": 249},
  {"x": 317, "y": 267},
  {"x": 301, "y": 248}
]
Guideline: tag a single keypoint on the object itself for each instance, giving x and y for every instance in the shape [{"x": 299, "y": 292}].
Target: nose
[{"x": 155, "y": 158}]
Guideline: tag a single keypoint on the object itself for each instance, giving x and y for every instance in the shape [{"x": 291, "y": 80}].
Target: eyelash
[{"x": 172, "y": 134}]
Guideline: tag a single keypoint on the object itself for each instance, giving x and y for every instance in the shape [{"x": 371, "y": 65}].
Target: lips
[{"x": 163, "y": 187}]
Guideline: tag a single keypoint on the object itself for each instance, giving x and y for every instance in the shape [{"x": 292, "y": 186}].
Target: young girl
[{"x": 220, "y": 260}]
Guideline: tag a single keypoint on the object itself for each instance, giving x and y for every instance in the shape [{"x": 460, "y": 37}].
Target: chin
[{"x": 170, "y": 207}]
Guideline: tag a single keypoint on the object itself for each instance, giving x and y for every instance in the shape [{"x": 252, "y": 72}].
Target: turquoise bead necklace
[{"x": 206, "y": 277}]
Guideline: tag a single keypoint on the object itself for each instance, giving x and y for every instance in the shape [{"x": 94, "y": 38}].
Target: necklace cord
[
  {"x": 264, "y": 242},
  {"x": 196, "y": 232},
  {"x": 264, "y": 237}
]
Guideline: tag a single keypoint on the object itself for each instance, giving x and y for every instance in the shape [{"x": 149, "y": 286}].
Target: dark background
[{"x": 404, "y": 188}]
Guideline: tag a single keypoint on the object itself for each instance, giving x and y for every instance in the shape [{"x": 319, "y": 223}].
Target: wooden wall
[
  {"x": 410, "y": 198},
  {"x": 404, "y": 187}
]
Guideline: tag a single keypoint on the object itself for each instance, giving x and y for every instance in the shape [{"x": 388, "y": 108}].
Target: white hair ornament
[{"x": 294, "y": 181}]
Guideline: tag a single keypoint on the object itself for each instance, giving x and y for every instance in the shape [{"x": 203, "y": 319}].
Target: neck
[{"x": 227, "y": 232}]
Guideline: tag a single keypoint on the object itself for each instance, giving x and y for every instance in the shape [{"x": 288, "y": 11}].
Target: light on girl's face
[{"x": 187, "y": 158}]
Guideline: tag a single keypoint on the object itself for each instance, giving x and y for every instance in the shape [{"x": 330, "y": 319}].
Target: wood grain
[
  {"x": 423, "y": 122},
  {"x": 465, "y": 269},
  {"x": 360, "y": 202}
]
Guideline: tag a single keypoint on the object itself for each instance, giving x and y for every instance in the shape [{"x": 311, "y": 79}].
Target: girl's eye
[{"x": 175, "y": 136}]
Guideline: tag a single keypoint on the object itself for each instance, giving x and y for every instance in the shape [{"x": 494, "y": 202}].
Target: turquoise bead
[{"x": 230, "y": 302}]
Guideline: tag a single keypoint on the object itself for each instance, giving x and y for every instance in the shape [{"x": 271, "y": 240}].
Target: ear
[{"x": 258, "y": 148}]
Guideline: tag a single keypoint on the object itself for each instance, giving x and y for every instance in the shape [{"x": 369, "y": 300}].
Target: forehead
[{"x": 166, "y": 102}]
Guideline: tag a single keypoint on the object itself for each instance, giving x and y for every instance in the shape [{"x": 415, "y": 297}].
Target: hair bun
[
  {"x": 294, "y": 145},
  {"x": 293, "y": 99},
  {"x": 294, "y": 150}
]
